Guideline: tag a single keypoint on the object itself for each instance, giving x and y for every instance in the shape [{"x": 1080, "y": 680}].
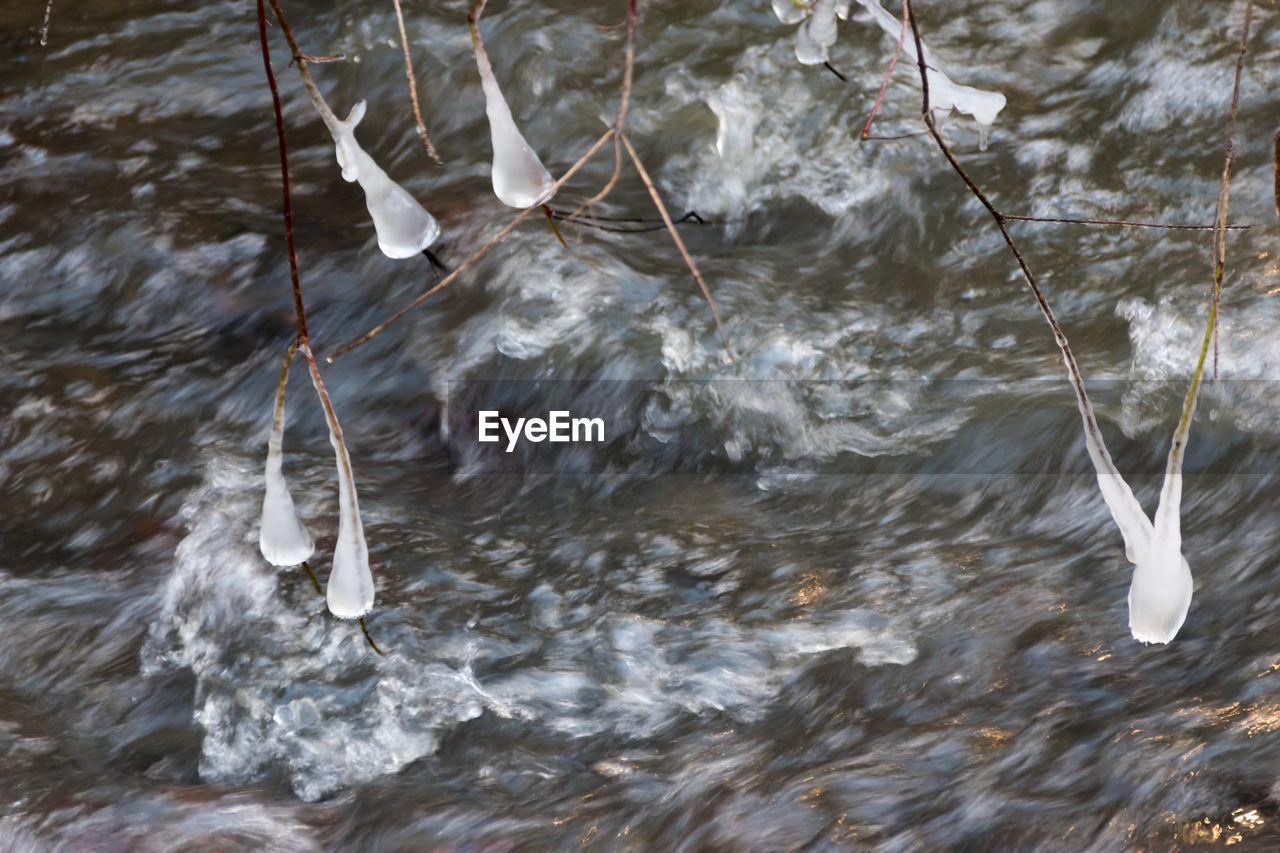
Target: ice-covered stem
[
  {"x": 519, "y": 178},
  {"x": 413, "y": 86},
  {"x": 282, "y": 538},
  {"x": 983, "y": 105},
  {"x": 350, "y": 592},
  {"x": 472, "y": 258},
  {"x": 1160, "y": 592},
  {"x": 44, "y": 28},
  {"x": 1220, "y": 213}
]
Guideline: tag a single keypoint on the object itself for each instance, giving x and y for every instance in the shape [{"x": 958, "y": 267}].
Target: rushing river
[{"x": 855, "y": 590}]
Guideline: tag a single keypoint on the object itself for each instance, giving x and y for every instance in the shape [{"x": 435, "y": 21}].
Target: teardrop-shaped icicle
[
  {"x": 403, "y": 226},
  {"x": 808, "y": 51},
  {"x": 789, "y": 11},
  {"x": 519, "y": 178},
  {"x": 1160, "y": 592},
  {"x": 822, "y": 25},
  {"x": 350, "y": 588},
  {"x": 282, "y": 538}
]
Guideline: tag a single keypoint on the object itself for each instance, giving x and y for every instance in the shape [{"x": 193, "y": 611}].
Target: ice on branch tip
[
  {"x": 1160, "y": 591},
  {"x": 283, "y": 539},
  {"x": 519, "y": 178},
  {"x": 403, "y": 226},
  {"x": 817, "y": 33},
  {"x": 350, "y": 589}
]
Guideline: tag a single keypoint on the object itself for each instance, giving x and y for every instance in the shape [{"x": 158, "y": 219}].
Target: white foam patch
[
  {"x": 769, "y": 146},
  {"x": 283, "y": 688},
  {"x": 1166, "y": 342}
]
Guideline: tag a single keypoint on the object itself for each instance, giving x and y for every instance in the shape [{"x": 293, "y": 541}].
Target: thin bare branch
[
  {"x": 1128, "y": 223},
  {"x": 298, "y": 307},
  {"x": 300, "y": 59},
  {"x": 1224, "y": 188},
  {"x": 624, "y": 103},
  {"x": 413, "y": 86},
  {"x": 888, "y": 74},
  {"x": 1077, "y": 380},
  {"x": 675, "y": 237}
]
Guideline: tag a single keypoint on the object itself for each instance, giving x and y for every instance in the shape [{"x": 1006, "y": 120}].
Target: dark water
[{"x": 870, "y": 601}]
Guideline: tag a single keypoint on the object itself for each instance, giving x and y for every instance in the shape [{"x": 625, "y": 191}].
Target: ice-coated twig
[
  {"x": 282, "y": 538},
  {"x": 398, "y": 219},
  {"x": 983, "y": 105},
  {"x": 44, "y": 28},
  {"x": 1160, "y": 592},
  {"x": 519, "y": 178},
  {"x": 350, "y": 590}
]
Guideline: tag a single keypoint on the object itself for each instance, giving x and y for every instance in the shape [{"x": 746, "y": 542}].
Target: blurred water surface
[{"x": 869, "y": 600}]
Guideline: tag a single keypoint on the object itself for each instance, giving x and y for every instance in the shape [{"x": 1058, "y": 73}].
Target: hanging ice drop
[
  {"x": 519, "y": 178},
  {"x": 789, "y": 11},
  {"x": 403, "y": 226},
  {"x": 283, "y": 540}
]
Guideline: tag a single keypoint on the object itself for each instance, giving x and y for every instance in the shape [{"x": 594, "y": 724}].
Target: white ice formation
[
  {"x": 403, "y": 226},
  {"x": 1160, "y": 592},
  {"x": 350, "y": 589},
  {"x": 519, "y": 178},
  {"x": 983, "y": 105},
  {"x": 283, "y": 540},
  {"x": 817, "y": 33}
]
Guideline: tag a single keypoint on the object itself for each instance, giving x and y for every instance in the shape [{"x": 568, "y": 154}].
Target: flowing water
[{"x": 855, "y": 590}]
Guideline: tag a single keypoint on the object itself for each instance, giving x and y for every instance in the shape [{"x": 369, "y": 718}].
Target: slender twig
[
  {"x": 835, "y": 71},
  {"x": 624, "y": 104},
  {"x": 888, "y": 74},
  {"x": 1220, "y": 215},
  {"x": 44, "y": 28},
  {"x": 300, "y": 58},
  {"x": 413, "y": 86},
  {"x": 1277, "y": 173},
  {"x": 1128, "y": 223},
  {"x": 368, "y": 637},
  {"x": 551, "y": 220},
  {"x": 315, "y": 581},
  {"x": 675, "y": 237},
  {"x": 1077, "y": 380},
  {"x": 298, "y": 307},
  {"x": 690, "y": 218},
  {"x": 302, "y": 342},
  {"x": 336, "y": 57},
  {"x": 475, "y": 256}
]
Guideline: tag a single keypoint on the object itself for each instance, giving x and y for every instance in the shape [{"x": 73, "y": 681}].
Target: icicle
[
  {"x": 983, "y": 105},
  {"x": 403, "y": 226},
  {"x": 519, "y": 178},
  {"x": 817, "y": 34},
  {"x": 1160, "y": 592},
  {"x": 808, "y": 51},
  {"x": 790, "y": 11},
  {"x": 350, "y": 588},
  {"x": 283, "y": 540}
]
